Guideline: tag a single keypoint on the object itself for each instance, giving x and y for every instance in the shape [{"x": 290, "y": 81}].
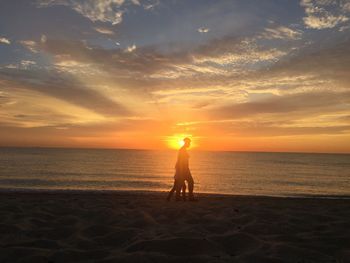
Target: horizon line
[{"x": 165, "y": 149}]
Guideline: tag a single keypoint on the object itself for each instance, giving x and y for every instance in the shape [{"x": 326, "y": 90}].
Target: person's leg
[
  {"x": 179, "y": 184},
  {"x": 171, "y": 192},
  {"x": 184, "y": 191},
  {"x": 190, "y": 187}
]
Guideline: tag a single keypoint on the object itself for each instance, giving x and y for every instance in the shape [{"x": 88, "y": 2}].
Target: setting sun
[{"x": 176, "y": 141}]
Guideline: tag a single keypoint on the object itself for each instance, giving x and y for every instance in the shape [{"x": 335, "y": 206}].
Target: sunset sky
[{"x": 246, "y": 75}]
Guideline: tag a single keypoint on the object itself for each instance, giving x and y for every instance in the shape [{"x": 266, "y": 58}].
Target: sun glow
[{"x": 176, "y": 141}]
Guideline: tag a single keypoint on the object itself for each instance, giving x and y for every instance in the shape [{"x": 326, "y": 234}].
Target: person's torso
[{"x": 182, "y": 159}]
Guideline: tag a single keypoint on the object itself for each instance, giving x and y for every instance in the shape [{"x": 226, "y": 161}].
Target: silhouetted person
[{"x": 183, "y": 172}]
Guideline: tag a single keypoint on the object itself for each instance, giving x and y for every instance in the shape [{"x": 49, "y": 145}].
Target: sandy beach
[{"x": 143, "y": 227}]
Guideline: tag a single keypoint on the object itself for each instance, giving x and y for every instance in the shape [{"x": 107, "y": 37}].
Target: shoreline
[{"x": 33, "y": 191}]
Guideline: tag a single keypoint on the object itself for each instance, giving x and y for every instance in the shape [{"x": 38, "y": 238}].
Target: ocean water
[{"x": 272, "y": 174}]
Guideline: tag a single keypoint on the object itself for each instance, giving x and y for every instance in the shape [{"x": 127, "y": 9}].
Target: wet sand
[{"x": 143, "y": 227}]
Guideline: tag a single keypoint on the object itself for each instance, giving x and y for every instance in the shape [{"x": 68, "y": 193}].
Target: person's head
[{"x": 187, "y": 142}]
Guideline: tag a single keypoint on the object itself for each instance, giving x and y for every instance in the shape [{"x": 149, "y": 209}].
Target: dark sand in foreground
[{"x": 143, "y": 227}]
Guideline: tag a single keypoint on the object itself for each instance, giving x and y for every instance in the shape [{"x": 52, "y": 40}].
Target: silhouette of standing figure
[{"x": 183, "y": 172}]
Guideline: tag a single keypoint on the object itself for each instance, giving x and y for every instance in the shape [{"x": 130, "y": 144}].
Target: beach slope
[{"x": 143, "y": 227}]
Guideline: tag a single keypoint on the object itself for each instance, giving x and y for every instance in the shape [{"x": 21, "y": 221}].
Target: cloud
[
  {"x": 234, "y": 66},
  {"x": 344, "y": 28},
  {"x": 26, "y": 64},
  {"x": 232, "y": 54},
  {"x": 268, "y": 128},
  {"x": 104, "y": 30},
  {"x": 65, "y": 64},
  {"x": 203, "y": 30},
  {"x": 26, "y": 107},
  {"x": 94, "y": 134},
  {"x": 4, "y": 40},
  {"x": 131, "y": 48},
  {"x": 101, "y": 10},
  {"x": 281, "y": 32},
  {"x": 150, "y": 5},
  {"x": 127, "y": 63},
  {"x": 300, "y": 102},
  {"x": 30, "y": 45},
  {"x": 150, "y": 68},
  {"x": 218, "y": 78},
  {"x": 110, "y": 11},
  {"x": 23, "y": 64},
  {"x": 64, "y": 87},
  {"x": 43, "y": 38},
  {"x": 305, "y": 94},
  {"x": 321, "y": 14},
  {"x": 330, "y": 65}
]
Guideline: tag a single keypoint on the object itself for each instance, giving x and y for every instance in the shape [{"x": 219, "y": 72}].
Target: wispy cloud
[
  {"x": 43, "y": 38},
  {"x": 281, "y": 32},
  {"x": 102, "y": 10},
  {"x": 30, "y": 45},
  {"x": 136, "y": 2},
  {"x": 4, "y": 40},
  {"x": 67, "y": 65},
  {"x": 104, "y": 30},
  {"x": 324, "y": 14},
  {"x": 110, "y": 11},
  {"x": 203, "y": 30},
  {"x": 147, "y": 63},
  {"x": 131, "y": 48},
  {"x": 344, "y": 28},
  {"x": 26, "y": 64},
  {"x": 150, "y": 5}
]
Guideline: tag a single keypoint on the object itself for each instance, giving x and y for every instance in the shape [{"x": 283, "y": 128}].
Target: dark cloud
[
  {"x": 331, "y": 62},
  {"x": 22, "y": 116},
  {"x": 64, "y": 87},
  {"x": 254, "y": 129},
  {"x": 301, "y": 102},
  {"x": 68, "y": 134},
  {"x": 143, "y": 60}
]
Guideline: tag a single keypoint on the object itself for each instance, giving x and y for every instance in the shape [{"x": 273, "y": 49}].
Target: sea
[{"x": 235, "y": 173}]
